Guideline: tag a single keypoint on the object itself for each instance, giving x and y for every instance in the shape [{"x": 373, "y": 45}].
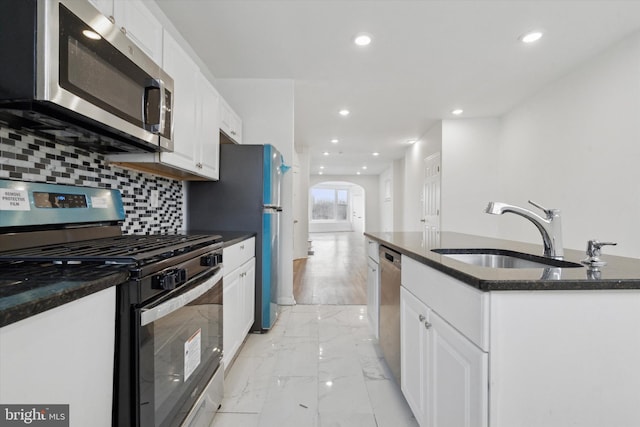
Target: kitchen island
[{"x": 516, "y": 347}]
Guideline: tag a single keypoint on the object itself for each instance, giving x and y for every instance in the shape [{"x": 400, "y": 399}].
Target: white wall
[
  {"x": 372, "y": 200},
  {"x": 266, "y": 108},
  {"x": 576, "y": 146},
  {"x": 429, "y": 143},
  {"x": 469, "y": 178},
  {"x": 385, "y": 189}
]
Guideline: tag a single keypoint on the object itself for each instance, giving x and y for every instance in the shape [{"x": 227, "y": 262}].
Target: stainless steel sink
[{"x": 501, "y": 258}]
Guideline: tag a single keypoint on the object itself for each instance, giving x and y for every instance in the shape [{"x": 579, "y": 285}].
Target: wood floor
[{"x": 335, "y": 274}]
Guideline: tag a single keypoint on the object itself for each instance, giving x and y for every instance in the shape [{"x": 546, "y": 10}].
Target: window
[{"x": 329, "y": 204}]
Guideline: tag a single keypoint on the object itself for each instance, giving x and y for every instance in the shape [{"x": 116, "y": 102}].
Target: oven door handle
[{"x": 148, "y": 315}]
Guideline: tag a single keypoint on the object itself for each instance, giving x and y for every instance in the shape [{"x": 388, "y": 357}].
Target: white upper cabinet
[
  {"x": 139, "y": 24},
  {"x": 230, "y": 122},
  {"x": 185, "y": 75},
  {"x": 196, "y": 137},
  {"x": 209, "y": 135},
  {"x": 104, "y": 6}
]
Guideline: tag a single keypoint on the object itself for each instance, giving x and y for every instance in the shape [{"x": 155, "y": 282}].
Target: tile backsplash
[{"x": 26, "y": 157}]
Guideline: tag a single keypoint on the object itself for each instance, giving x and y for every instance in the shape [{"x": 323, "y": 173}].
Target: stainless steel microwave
[{"x": 69, "y": 72}]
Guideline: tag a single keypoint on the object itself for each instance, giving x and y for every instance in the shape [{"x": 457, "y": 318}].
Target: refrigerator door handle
[{"x": 275, "y": 207}]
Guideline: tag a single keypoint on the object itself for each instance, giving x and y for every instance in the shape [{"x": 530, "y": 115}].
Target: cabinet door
[
  {"x": 185, "y": 75},
  {"x": 139, "y": 24},
  {"x": 373, "y": 295},
  {"x": 104, "y": 6},
  {"x": 414, "y": 349},
  {"x": 63, "y": 355},
  {"x": 230, "y": 315},
  {"x": 230, "y": 122},
  {"x": 458, "y": 385},
  {"x": 209, "y": 134},
  {"x": 248, "y": 284}
]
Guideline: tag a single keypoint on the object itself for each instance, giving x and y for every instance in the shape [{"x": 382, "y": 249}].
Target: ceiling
[{"x": 427, "y": 58}]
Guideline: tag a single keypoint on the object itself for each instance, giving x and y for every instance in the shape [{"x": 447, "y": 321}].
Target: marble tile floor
[{"x": 318, "y": 367}]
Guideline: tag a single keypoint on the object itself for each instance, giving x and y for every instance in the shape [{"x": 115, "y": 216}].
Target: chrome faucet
[{"x": 550, "y": 226}]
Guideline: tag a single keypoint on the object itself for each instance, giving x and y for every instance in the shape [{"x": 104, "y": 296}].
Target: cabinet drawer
[
  {"x": 236, "y": 255},
  {"x": 465, "y": 308}
]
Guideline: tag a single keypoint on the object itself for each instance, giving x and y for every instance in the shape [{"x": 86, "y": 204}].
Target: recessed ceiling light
[
  {"x": 362, "y": 39},
  {"x": 320, "y": 173},
  {"x": 457, "y": 112},
  {"x": 364, "y": 167},
  {"x": 344, "y": 112},
  {"x": 334, "y": 141},
  {"x": 91, "y": 35},
  {"x": 326, "y": 153},
  {"x": 358, "y": 173},
  {"x": 411, "y": 141},
  {"x": 321, "y": 167},
  {"x": 376, "y": 153},
  {"x": 531, "y": 37}
]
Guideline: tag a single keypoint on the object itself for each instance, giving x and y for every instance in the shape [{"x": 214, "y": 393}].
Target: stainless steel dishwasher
[{"x": 390, "y": 268}]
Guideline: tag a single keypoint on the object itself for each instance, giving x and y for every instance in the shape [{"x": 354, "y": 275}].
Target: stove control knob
[
  {"x": 170, "y": 280},
  {"x": 211, "y": 260}
]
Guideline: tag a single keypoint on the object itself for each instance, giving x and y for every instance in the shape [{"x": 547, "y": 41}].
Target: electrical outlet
[{"x": 153, "y": 199}]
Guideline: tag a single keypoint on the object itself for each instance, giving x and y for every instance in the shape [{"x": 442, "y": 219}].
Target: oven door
[{"x": 180, "y": 348}]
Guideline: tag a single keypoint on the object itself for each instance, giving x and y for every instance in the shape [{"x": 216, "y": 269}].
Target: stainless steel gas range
[{"x": 169, "y": 310}]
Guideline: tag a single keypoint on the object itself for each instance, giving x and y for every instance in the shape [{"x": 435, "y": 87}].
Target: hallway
[
  {"x": 319, "y": 366},
  {"x": 336, "y": 274}
]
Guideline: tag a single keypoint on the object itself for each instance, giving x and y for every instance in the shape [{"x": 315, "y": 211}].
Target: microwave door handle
[
  {"x": 162, "y": 107},
  {"x": 154, "y": 84},
  {"x": 148, "y": 315}
]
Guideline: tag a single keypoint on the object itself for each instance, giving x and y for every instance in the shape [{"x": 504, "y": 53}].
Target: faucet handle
[
  {"x": 549, "y": 212},
  {"x": 594, "y": 249}
]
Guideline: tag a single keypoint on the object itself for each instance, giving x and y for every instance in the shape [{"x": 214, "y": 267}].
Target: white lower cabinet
[
  {"x": 443, "y": 374},
  {"x": 238, "y": 296},
  {"x": 63, "y": 356},
  {"x": 545, "y": 358},
  {"x": 414, "y": 347},
  {"x": 457, "y": 392}
]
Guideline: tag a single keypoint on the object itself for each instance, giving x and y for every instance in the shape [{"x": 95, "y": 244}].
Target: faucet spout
[{"x": 550, "y": 226}]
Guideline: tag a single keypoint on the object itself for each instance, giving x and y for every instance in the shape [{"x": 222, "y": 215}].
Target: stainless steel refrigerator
[{"x": 246, "y": 198}]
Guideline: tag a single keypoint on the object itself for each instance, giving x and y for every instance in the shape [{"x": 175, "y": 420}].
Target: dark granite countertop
[
  {"x": 230, "y": 238},
  {"x": 619, "y": 273},
  {"x": 27, "y": 289}
]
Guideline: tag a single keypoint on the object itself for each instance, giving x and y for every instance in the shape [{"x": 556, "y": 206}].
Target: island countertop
[{"x": 619, "y": 273}]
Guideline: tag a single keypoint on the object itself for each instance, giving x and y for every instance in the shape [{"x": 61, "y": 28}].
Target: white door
[
  {"x": 357, "y": 212},
  {"x": 431, "y": 200}
]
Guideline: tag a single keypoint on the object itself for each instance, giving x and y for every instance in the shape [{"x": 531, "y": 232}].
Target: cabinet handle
[
  {"x": 233, "y": 132},
  {"x": 242, "y": 247},
  {"x": 427, "y": 325},
  {"x": 421, "y": 318},
  {"x": 123, "y": 30}
]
